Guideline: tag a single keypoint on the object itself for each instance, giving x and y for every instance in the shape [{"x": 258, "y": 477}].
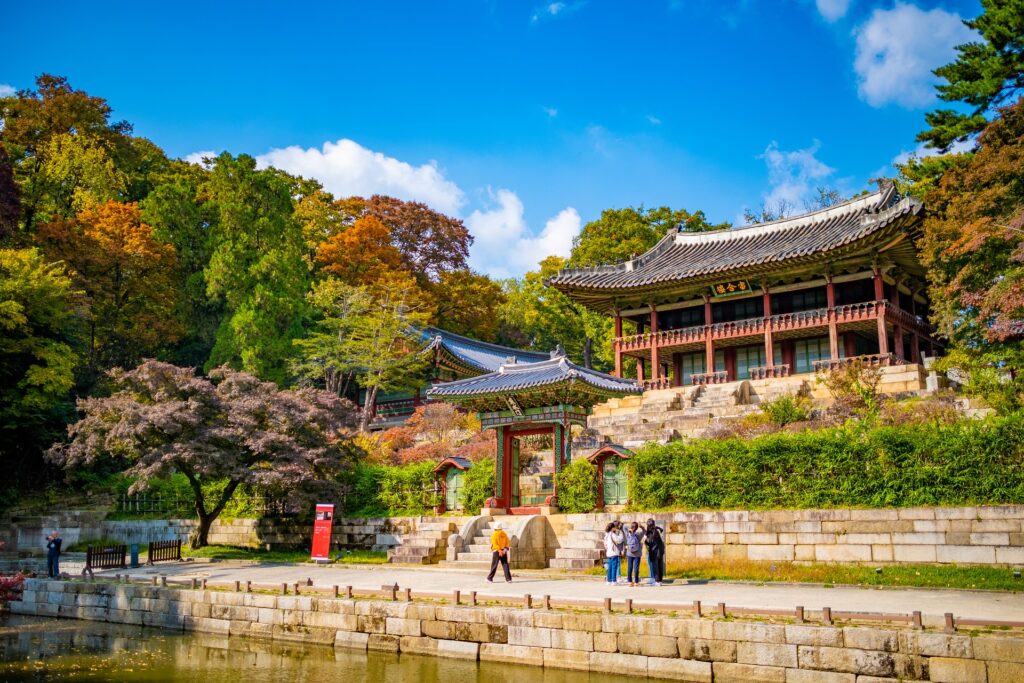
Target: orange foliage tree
[
  {"x": 127, "y": 278},
  {"x": 361, "y": 254}
]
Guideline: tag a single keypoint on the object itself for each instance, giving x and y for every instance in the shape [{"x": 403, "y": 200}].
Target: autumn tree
[
  {"x": 360, "y": 254},
  {"x": 430, "y": 242},
  {"x": 230, "y": 428},
  {"x": 973, "y": 246},
  {"x": 986, "y": 74},
  {"x": 58, "y": 137},
  {"x": 10, "y": 199},
  {"x": 127, "y": 277},
  {"x": 37, "y": 356},
  {"x": 257, "y": 267},
  {"x": 620, "y": 234}
]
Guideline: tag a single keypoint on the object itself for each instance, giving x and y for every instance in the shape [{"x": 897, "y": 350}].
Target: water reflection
[{"x": 36, "y": 649}]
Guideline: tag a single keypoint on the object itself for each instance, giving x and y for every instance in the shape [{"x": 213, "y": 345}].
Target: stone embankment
[{"x": 696, "y": 649}]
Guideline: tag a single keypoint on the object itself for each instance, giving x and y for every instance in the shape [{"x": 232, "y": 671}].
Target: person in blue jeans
[
  {"x": 53, "y": 543},
  {"x": 655, "y": 552},
  {"x": 613, "y": 541},
  {"x": 634, "y": 536}
]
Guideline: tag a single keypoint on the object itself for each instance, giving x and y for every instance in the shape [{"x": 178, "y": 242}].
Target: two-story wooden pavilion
[{"x": 768, "y": 300}]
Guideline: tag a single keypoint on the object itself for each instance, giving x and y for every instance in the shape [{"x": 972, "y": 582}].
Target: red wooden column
[
  {"x": 769, "y": 345},
  {"x": 883, "y": 339},
  {"x": 640, "y": 369},
  {"x": 709, "y": 345},
  {"x": 655, "y": 365},
  {"x": 897, "y": 328},
  {"x": 618, "y": 350},
  {"x": 915, "y": 348},
  {"x": 833, "y": 331}
]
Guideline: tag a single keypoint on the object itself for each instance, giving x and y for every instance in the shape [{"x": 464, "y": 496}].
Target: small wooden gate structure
[
  {"x": 164, "y": 551},
  {"x": 612, "y": 476},
  {"x": 448, "y": 474},
  {"x": 104, "y": 557}
]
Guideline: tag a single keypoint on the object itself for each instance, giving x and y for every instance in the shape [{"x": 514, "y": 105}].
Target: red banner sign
[{"x": 322, "y": 532}]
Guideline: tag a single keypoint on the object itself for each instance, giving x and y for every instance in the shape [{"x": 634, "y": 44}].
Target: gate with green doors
[
  {"x": 616, "y": 482},
  {"x": 453, "y": 488}
]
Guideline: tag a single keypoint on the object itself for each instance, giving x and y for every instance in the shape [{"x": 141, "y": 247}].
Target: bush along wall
[{"x": 966, "y": 462}]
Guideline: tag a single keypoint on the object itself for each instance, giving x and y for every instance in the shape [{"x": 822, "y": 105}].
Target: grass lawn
[
  {"x": 224, "y": 552},
  {"x": 914, "y": 575}
]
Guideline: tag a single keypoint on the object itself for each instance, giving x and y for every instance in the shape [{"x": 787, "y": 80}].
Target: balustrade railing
[
  {"x": 789, "y": 321},
  {"x": 718, "y": 377},
  {"x": 867, "y": 310},
  {"x": 769, "y": 371},
  {"x": 684, "y": 335},
  {"x": 659, "y": 383},
  {"x": 871, "y": 360},
  {"x": 738, "y": 328}
]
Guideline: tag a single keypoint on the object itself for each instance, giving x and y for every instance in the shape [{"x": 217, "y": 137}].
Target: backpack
[{"x": 632, "y": 542}]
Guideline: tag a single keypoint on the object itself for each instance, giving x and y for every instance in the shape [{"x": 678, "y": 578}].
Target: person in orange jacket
[{"x": 499, "y": 553}]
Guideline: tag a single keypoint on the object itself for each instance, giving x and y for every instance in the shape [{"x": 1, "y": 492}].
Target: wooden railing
[
  {"x": 738, "y": 328},
  {"x": 799, "y": 320},
  {"x": 769, "y": 371},
  {"x": 718, "y": 377},
  {"x": 164, "y": 551},
  {"x": 684, "y": 335}
]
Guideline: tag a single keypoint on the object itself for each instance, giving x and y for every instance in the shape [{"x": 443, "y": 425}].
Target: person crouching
[{"x": 499, "y": 553}]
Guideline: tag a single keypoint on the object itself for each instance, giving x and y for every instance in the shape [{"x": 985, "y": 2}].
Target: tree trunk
[
  {"x": 371, "y": 406},
  {"x": 588, "y": 352},
  {"x": 199, "y": 538}
]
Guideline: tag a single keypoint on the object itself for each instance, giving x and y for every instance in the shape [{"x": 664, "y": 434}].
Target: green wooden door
[
  {"x": 616, "y": 489},
  {"x": 453, "y": 488},
  {"x": 515, "y": 473}
]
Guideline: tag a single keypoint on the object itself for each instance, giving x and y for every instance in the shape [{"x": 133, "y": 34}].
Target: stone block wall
[
  {"x": 704, "y": 650},
  {"x": 986, "y": 535}
]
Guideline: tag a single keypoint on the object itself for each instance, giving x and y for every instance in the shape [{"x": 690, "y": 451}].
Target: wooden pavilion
[
  {"x": 528, "y": 399},
  {"x": 787, "y": 297}
]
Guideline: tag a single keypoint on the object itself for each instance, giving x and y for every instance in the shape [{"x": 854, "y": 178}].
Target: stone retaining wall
[
  {"x": 703, "y": 650},
  {"x": 991, "y": 535}
]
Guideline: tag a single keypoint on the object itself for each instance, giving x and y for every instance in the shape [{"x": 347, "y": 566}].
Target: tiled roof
[
  {"x": 456, "y": 460},
  {"x": 514, "y": 377},
  {"x": 683, "y": 255},
  {"x": 480, "y": 355}
]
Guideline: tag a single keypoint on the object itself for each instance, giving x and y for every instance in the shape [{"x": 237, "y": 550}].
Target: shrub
[
  {"x": 578, "y": 487},
  {"x": 383, "y": 490},
  {"x": 967, "y": 462},
  {"x": 787, "y": 410},
  {"x": 478, "y": 485}
]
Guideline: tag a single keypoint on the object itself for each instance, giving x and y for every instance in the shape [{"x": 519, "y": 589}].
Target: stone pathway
[{"x": 932, "y": 603}]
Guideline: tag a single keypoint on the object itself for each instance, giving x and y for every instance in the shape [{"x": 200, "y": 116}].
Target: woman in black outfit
[{"x": 655, "y": 552}]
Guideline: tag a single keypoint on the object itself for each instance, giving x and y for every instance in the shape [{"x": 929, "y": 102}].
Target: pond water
[{"x": 39, "y": 649}]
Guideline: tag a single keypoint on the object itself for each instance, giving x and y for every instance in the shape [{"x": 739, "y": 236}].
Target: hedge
[{"x": 966, "y": 462}]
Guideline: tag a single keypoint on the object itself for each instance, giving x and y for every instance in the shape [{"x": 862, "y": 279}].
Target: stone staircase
[
  {"x": 426, "y": 545},
  {"x": 477, "y": 553},
  {"x": 667, "y": 414},
  {"x": 583, "y": 548}
]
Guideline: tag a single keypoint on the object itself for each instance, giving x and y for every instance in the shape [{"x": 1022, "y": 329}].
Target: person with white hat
[{"x": 499, "y": 552}]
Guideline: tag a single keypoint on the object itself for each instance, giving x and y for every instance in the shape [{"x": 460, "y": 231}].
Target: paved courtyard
[{"x": 932, "y": 603}]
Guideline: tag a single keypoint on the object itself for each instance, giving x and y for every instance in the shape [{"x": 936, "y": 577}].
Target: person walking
[
  {"x": 634, "y": 549},
  {"x": 613, "y": 541},
  {"x": 499, "y": 553},
  {"x": 655, "y": 552},
  {"x": 53, "y": 543}
]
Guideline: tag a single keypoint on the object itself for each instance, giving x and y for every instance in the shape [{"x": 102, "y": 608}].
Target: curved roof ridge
[{"x": 435, "y": 332}]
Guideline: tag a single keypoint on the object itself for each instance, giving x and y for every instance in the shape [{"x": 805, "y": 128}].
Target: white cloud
[
  {"x": 550, "y": 111},
  {"x": 504, "y": 245},
  {"x": 346, "y": 168},
  {"x": 897, "y": 50},
  {"x": 197, "y": 157},
  {"x": 550, "y": 10},
  {"x": 7, "y": 90},
  {"x": 653, "y": 120},
  {"x": 793, "y": 177},
  {"x": 922, "y": 151},
  {"x": 832, "y": 10}
]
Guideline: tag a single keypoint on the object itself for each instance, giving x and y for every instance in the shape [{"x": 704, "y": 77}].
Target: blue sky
[{"x": 525, "y": 119}]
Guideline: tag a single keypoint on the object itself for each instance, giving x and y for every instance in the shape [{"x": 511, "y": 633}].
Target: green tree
[
  {"x": 324, "y": 357},
  {"x": 578, "y": 487},
  {"x": 468, "y": 303},
  {"x": 257, "y": 266},
  {"x": 546, "y": 318},
  {"x": 38, "y": 356},
  {"x": 620, "y": 234},
  {"x": 181, "y": 217},
  {"x": 985, "y": 75}
]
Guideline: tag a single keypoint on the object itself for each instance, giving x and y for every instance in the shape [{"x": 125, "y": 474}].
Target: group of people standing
[{"x": 627, "y": 542}]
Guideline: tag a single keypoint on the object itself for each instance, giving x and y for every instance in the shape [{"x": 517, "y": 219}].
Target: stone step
[
  {"x": 475, "y": 557},
  {"x": 437, "y": 527},
  {"x": 562, "y": 563},
  {"x": 579, "y": 553},
  {"x": 416, "y": 541},
  {"x": 409, "y": 559},
  {"x": 477, "y": 548},
  {"x": 594, "y": 534},
  {"x": 418, "y": 551}
]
